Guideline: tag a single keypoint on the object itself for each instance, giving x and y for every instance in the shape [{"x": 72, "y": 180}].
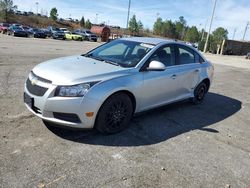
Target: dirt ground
[{"x": 181, "y": 145}]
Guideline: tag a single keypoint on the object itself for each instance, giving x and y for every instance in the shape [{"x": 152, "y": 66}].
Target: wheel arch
[
  {"x": 207, "y": 82},
  {"x": 127, "y": 92},
  {"x": 130, "y": 94}
]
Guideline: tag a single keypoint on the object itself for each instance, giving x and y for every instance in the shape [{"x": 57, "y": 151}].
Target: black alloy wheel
[
  {"x": 199, "y": 93},
  {"x": 115, "y": 114}
]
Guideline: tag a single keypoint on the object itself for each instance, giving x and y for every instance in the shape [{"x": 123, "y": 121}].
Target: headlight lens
[{"x": 74, "y": 91}]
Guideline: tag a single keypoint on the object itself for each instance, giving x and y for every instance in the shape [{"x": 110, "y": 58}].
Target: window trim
[
  {"x": 146, "y": 64},
  {"x": 178, "y": 54}
]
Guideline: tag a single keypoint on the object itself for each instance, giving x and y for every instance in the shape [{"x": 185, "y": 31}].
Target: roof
[
  {"x": 99, "y": 29},
  {"x": 148, "y": 40}
]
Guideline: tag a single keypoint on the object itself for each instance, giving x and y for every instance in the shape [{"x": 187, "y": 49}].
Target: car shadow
[{"x": 160, "y": 124}]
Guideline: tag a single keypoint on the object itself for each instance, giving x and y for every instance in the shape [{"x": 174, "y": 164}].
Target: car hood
[{"x": 77, "y": 69}]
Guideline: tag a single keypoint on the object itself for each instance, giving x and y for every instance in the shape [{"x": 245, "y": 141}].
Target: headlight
[{"x": 74, "y": 91}]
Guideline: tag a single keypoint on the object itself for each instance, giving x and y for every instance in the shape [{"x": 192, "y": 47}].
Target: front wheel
[
  {"x": 199, "y": 93},
  {"x": 115, "y": 114}
]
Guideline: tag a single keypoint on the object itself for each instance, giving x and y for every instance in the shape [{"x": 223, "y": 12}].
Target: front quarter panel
[{"x": 105, "y": 89}]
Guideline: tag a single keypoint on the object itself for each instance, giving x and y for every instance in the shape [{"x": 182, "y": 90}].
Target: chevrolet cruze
[{"x": 103, "y": 88}]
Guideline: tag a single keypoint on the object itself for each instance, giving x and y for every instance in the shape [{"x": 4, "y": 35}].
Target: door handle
[
  {"x": 173, "y": 76},
  {"x": 197, "y": 70}
]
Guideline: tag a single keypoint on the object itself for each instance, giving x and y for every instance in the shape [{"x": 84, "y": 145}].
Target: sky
[{"x": 233, "y": 15}]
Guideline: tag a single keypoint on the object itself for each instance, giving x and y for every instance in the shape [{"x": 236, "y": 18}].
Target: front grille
[
  {"x": 35, "y": 89},
  {"x": 67, "y": 117}
]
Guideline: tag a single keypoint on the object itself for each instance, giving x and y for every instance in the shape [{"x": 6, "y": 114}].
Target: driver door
[{"x": 160, "y": 87}]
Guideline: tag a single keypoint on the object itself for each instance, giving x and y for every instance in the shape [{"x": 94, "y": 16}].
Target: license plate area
[{"x": 28, "y": 100}]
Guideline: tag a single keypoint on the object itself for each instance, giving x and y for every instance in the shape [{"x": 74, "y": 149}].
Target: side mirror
[{"x": 156, "y": 66}]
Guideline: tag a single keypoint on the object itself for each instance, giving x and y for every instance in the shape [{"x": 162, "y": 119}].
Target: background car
[
  {"x": 58, "y": 35},
  {"x": 37, "y": 33},
  {"x": 53, "y": 29},
  {"x": 17, "y": 31},
  {"x": 73, "y": 36},
  {"x": 87, "y": 34},
  {"x": 248, "y": 55},
  {"x": 65, "y": 30},
  {"x": 4, "y": 27},
  {"x": 47, "y": 32}
]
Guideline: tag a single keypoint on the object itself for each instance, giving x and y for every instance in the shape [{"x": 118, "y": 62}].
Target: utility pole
[
  {"x": 96, "y": 18},
  {"x": 37, "y": 7},
  {"x": 234, "y": 33},
  {"x": 211, "y": 22},
  {"x": 129, "y": 3},
  {"x": 245, "y": 30},
  {"x": 204, "y": 30}
]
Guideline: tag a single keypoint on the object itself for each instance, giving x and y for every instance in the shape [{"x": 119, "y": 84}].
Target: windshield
[
  {"x": 121, "y": 52},
  {"x": 18, "y": 28}
]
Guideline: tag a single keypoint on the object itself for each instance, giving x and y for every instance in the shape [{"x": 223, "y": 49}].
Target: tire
[
  {"x": 114, "y": 114},
  {"x": 199, "y": 93}
]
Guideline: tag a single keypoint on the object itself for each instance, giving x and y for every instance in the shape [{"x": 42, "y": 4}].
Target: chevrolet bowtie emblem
[{"x": 34, "y": 81}]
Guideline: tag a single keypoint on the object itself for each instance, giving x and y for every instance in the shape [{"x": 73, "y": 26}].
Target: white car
[{"x": 105, "y": 87}]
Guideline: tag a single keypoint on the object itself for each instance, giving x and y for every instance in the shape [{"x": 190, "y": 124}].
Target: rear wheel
[
  {"x": 115, "y": 114},
  {"x": 199, "y": 93}
]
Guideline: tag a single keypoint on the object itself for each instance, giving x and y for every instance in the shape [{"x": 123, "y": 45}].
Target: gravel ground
[{"x": 181, "y": 145}]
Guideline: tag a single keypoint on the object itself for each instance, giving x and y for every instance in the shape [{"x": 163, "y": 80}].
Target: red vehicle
[{"x": 4, "y": 27}]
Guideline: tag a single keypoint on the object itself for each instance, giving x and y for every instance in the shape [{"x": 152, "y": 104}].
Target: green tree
[
  {"x": 6, "y": 6},
  {"x": 168, "y": 29},
  {"x": 157, "y": 28},
  {"x": 133, "y": 25},
  {"x": 53, "y": 14},
  {"x": 180, "y": 27},
  {"x": 82, "y": 22},
  {"x": 88, "y": 24},
  {"x": 192, "y": 34},
  {"x": 219, "y": 35},
  {"x": 140, "y": 25}
]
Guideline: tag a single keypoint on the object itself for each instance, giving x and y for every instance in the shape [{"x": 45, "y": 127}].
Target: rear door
[{"x": 189, "y": 69}]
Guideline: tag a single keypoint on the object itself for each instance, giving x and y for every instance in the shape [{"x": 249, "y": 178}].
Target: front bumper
[
  {"x": 20, "y": 34},
  {"x": 66, "y": 111}
]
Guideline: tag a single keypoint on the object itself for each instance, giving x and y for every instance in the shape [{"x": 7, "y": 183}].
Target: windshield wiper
[
  {"x": 93, "y": 57},
  {"x": 112, "y": 62},
  {"x": 101, "y": 59}
]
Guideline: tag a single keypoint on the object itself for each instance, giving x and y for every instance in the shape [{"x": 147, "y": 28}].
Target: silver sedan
[{"x": 105, "y": 87}]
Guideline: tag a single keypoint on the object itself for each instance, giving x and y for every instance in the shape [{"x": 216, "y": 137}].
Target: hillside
[{"x": 39, "y": 22}]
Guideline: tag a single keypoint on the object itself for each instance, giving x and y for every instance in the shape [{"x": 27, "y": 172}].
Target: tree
[
  {"x": 168, "y": 29},
  {"x": 88, "y": 24},
  {"x": 219, "y": 35},
  {"x": 157, "y": 29},
  {"x": 6, "y": 6},
  {"x": 133, "y": 25},
  {"x": 82, "y": 22},
  {"x": 53, "y": 14},
  {"x": 182, "y": 20},
  {"x": 192, "y": 34},
  {"x": 140, "y": 25},
  {"x": 180, "y": 27}
]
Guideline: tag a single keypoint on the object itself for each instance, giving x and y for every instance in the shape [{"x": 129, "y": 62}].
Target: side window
[
  {"x": 165, "y": 55},
  {"x": 198, "y": 58},
  {"x": 186, "y": 55}
]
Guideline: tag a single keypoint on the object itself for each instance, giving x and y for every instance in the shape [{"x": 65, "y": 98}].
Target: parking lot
[{"x": 181, "y": 145}]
